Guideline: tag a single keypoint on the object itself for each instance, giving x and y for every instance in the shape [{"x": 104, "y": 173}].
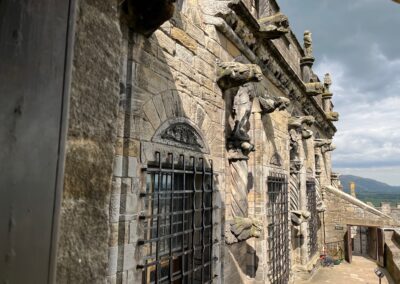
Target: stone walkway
[{"x": 361, "y": 270}]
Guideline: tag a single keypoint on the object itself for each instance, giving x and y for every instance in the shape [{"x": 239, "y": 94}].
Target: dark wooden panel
[{"x": 33, "y": 96}]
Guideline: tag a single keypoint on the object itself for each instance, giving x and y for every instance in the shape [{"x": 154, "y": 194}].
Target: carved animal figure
[
  {"x": 242, "y": 229},
  {"x": 274, "y": 26},
  {"x": 235, "y": 74}
]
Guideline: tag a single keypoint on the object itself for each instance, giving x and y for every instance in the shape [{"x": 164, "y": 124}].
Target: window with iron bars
[
  {"x": 178, "y": 221},
  {"x": 278, "y": 228},
  {"x": 313, "y": 220}
]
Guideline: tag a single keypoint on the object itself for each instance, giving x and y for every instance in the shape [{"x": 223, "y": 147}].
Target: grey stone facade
[{"x": 225, "y": 81}]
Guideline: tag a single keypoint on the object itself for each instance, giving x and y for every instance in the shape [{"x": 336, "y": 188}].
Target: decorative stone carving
[
  {"x": 274, "y": 26},
  {"x": 314, "y": 89},
  {"x": 269, "y": 104},
  {"x": 332, "y": 116},
  {"x": 299, "y": 216},
  {"x": 295, "y": 163},
  {"x": 308, "y": 48},
  {"x": 241, "y": 229},
  {"x": 327, "y": 82},
  {"x": 235, "y": 74},
  {"x": 324, "y": 144},
  {"x": 182, "y": 133},
  {"x": 146, "y": 16},
  {"x": 276, "y": 159},
  {"x": 300, "y": 124}
]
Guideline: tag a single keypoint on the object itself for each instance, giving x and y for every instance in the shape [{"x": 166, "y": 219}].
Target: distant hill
[{"x": 372, "y": 190}]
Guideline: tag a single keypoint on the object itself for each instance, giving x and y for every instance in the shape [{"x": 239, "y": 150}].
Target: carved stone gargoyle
[
  {"x": 299, "y": 216},
  {"x": 274, "y": 26},
  {"x": 269, "y": 104},
  {"x": 235, "y": 74},
  {"x": 332, "y": 116},
  {"x": 314, "y": 88},
  {"x": 324, "y": 144},
  {"x": 300, "y": 123},
  {"x": 241, "y": 229},
  {"x": 145, "y": 17}
]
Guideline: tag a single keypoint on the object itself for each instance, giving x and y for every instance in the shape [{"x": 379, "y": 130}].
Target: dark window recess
[
  {"x": 313, "y": 220},
  {"x": 177, "y": 221},
  {"x": 278, "y": 228}
]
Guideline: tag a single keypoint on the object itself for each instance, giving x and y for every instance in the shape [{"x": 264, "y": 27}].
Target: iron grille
[
  {"x": 278, "y": 228},
  {"x": 178, "y": 221},
  {"x": 313, "y": 220}
]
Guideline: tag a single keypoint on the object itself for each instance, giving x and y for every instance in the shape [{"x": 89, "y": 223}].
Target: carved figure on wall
[
  {"x": 147, "y": 16},
  {"x": 235, "y": 74},
  {"x": 314, "y": 88},
  {"x": 332, "y": 115},
  {"x": 301, "y": 124},
  {"x": 274, "y": 26},
  {"x": 239, "y": 82},
  {"x": 269, "y": 104},
  {"x": 308, "y": 48},
  {"x": 327, "y": 82}
]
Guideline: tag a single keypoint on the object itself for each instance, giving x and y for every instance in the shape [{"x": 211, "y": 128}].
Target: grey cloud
[{"x": 358, "y": 42}]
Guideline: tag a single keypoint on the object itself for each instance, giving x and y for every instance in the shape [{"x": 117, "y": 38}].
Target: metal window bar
[
  {"x": 278, "y": 228},
  {"x": 313, "y": 220},
  {"x": 177, "y": 222}
]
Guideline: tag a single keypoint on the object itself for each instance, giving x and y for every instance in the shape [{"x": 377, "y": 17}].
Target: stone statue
[
  {"x": 240, "y": 84},
  {"x": 274, "y": 26},
  {"x": 308, "y": 49},
  {"x": 327, "y": 82},
  {"x": 146, "y": 16}
]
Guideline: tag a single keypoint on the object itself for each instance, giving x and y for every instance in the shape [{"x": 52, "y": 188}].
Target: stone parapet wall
[
  {"x": 392, "y": 254},
  {"x": 343, "y": 210}
]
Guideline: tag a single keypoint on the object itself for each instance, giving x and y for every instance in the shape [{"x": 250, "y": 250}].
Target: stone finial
[
  {"x": 353, "y": 189},
  {"x": 327, "y": 82},
  {"x": 308, "y": 49},
  {"x": 145, "y": 17},
  {"x": 274, "y": 26},
  {"x": 235, "y": 74}
]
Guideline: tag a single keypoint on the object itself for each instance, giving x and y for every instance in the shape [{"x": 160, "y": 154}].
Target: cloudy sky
[{"x": 358, "y": 42}]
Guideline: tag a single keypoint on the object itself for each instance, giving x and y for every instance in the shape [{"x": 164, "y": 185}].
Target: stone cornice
[{"x": 242, "y": 29}]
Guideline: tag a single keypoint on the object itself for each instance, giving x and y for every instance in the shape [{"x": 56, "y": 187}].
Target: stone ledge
[{"x": 355, "y": 201}]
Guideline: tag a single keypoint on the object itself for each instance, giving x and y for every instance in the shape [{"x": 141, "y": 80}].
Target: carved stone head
[{"x": 235, "y": 74}]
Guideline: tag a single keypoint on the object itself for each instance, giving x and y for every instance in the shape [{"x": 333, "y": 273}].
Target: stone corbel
[
  {"x": 314, "y": 88},
  {"x": 145, "y": 17},
  {"x": 235, "y": 74},
  {"x": 241, "y": 229},
  {"x": 270, "y": 104},
  {"x": 273, "y": 27},
  {"x": 301, "y": 124},
  {"x": 332, "y": 116},
  {"x": 299, "y": 216}
]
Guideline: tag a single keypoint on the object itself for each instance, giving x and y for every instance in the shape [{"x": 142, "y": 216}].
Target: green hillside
[{"x": 369, "y": 190}]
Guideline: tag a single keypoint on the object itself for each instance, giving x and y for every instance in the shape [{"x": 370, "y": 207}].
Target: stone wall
[
  {"x": 343, "y": 210},
  {"x": 84, "y": 230},
  {"x": 127, "y": 88},
  {"x": 392, "y": 254}
]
